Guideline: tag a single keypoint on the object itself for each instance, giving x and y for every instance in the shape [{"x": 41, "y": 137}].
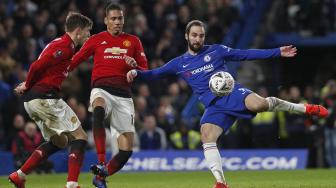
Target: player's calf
[
  {"x": 276, "y": 104},
  {"x": 39, "y": 155},
  {"x": 75, "y": 161},
  {"x": 60, "y": 141},
  {"x": 99, "y": 134},
  {"x": 118, "y": 161}
]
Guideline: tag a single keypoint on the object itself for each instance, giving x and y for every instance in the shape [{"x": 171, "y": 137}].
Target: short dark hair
[
  {"x": 112, "y": 6},
  {"x": 193, "y": 23},
  {"x": 75, "y": 19}
]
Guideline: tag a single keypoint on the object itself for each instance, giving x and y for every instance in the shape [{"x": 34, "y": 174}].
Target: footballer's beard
[
  {"x": 116, "y": 30},
  {"x": 195, "y": 47}
]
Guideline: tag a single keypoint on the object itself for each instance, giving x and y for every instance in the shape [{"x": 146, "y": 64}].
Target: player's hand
[
  {"x": 131, "y": 75},
  {"x": 20, "y": 89},
  {"x": 288, "y": 51},
  {"x": 130, "y": 61}
]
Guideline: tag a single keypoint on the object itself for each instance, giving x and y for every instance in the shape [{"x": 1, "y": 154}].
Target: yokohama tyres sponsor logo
[{"x": 204, "y": 68}]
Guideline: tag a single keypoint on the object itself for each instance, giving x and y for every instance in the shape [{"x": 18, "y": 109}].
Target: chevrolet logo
[{"x": 115, "y": 50}]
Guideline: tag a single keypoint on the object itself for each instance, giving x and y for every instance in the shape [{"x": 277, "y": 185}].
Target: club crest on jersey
[
  {"x": 73, "y": 119},
  {"x": 207, "y": 58},
  {"x": 115, "y": 50},
  {"x": 127, "y": 43}
]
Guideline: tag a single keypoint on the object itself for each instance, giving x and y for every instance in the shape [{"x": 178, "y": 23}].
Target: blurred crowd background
[{"x": 167, "y": 113}]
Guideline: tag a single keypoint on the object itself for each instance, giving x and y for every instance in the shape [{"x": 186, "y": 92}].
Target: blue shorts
[{"x": 224, "y": 111}]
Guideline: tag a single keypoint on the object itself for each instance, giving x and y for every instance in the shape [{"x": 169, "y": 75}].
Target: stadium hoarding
[
  {"x": 172, "y": 160},
  {"x": 231, "y": 160}
]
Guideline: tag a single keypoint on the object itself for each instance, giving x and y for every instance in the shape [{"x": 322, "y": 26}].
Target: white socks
[
  {"x": 71, "y": 184},
  {"x": 276, "y": 104},
  {"x": 21, "y": 174},
  {"x": 214, "y": 160}
]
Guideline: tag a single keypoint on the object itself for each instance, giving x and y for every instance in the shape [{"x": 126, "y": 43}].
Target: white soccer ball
[{"x": 221, "y": 83}]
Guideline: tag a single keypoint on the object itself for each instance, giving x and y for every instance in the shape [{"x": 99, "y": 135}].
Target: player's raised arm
[
  {"x": 84, "y": 53},
  {"x": 254, "y": 54},
  {"x": 167, "y": 69}
]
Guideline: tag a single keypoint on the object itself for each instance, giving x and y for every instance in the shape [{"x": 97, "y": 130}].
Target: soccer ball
[{"x": 221, "y": 83}]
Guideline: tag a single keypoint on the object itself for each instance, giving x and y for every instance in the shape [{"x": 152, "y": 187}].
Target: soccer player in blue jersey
[{"x": 196, "y": 67}]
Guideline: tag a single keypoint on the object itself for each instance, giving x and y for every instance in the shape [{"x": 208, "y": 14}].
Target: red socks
[
  {"x": 99, "y": 132},
  {"x": 40, "y": 154},
  {"x": 75, "y": 160}
]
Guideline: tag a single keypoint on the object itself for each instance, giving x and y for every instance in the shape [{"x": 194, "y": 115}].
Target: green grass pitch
[{"x": 236, "y": 179}]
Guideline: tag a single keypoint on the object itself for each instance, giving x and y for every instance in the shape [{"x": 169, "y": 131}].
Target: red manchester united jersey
[
  {"x": 50, "y": 69},
  {"x": 108, "y": 51}
]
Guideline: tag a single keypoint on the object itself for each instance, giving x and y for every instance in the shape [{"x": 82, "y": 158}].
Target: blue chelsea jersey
[{"x": 196, "y": 70}]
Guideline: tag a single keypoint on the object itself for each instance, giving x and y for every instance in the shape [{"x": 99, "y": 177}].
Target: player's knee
[
  {"x": 98, "y": 102},
  {"x": 84, "y": 136},
  {"x": 126, "y": 141},
  {"x": 206, "y": 137},
  {"x": 48, "y": 148},
  {"x": 259, "y": 105},
  {"x": 98, "y": 116},
  {"x": 60, "y": 141},
  {"x": 78, "y": 145},
  {"x": 79, "y": 134},
  {"x": 208, "y": 134}
]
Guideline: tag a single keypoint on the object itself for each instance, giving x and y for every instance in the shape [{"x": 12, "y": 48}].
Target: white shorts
[
  {"x": 52, "y": 116},
  {"x": 119, "y": 110}
]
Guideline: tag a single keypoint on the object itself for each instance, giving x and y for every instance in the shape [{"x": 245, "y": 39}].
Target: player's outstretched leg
[
  {"x": 255, "y": 103},
  {"x": 210, "y": 134},
  {"x": 276, "y": 104},
  {"x": 39, "y": 155}
]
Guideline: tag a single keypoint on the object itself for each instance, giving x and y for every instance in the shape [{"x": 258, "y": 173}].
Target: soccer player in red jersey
[
  {"x": 59, "y": 125},
  {"x": 114, "y": 53}
]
